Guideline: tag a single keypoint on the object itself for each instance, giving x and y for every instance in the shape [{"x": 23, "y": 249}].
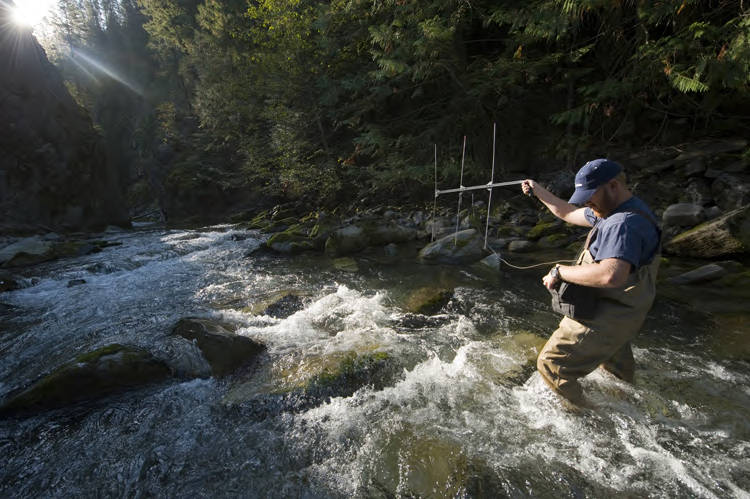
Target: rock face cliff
[{"x": 54, "y": 173}]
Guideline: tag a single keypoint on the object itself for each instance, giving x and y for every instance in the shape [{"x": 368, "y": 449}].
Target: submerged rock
[
  {"x": 427, "y": 300},
  {"x": 90, "y": 376},
  {"x": 521, "y": 246},
  {"x": 492, "y": 261},
  {"x": 710, "y": 272},
  {"x": 285, "y": 306},
  {"x": 224, "y": 350},
  {"x": 465, "y": 246},
  {"x": 346, "y": 264},
  {"x": 8, "y": 282},
  {"x": 300, "y": 382}
]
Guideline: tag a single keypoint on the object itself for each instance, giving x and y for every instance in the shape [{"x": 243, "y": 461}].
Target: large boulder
[
  {"x": 90, "y": 376},
  {"x": 356, "y": 237},
  {"x": 26, "y": 251},
  {"x": 33, "y": 250},
  {"x": 289, "y": 243},
  {"x": 683, "y": 215},
  {"x": 381, "y": 235},
  {"x": 346, "y": 240},
  {"x": 726, "y": 235},
  {"x": 466, "y": 246},
  {"x": 731, "y": 191},
  {"x": 224, "y": 350}
]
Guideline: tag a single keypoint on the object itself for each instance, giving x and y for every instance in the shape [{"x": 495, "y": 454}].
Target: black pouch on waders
[{"x": 574, "y": 301}]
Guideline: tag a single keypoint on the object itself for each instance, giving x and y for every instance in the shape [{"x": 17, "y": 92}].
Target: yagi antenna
[{"x": 461, "y": 189}]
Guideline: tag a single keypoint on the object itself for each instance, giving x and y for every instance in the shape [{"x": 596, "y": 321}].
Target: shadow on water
[{"x": 357, "y": 395}]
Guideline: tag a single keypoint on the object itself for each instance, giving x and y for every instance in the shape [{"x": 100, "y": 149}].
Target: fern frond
[{"x": 686, "y": 84}]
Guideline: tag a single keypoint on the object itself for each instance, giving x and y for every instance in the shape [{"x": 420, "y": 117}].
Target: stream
[{"x": 455, "y": 410}]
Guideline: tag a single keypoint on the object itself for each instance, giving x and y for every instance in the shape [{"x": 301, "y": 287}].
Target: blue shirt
[{"x": 625, "y": 234}]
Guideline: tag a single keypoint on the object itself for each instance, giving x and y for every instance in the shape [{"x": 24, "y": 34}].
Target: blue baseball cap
[{"x": 591, "y": 176}]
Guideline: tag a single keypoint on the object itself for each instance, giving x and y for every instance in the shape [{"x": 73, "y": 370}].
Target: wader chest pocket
[{"x": 574, "y": 301}]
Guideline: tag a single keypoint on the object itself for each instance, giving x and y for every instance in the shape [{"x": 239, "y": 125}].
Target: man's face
[{"x": 603, "y": 201}]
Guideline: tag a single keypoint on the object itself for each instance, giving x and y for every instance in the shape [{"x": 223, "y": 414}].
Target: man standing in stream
[{"x": 619, "y": 261}]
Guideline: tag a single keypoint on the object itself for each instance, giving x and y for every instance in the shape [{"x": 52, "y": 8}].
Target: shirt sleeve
[{"x": 619, "y": 240}]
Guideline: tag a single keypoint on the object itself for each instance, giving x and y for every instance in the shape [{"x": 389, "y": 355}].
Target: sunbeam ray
[{"x": 103, "y": 68}]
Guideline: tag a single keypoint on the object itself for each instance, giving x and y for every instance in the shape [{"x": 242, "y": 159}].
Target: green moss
[
  {"x": 542, "y": 229},
  {"x": 260, "y": 221},
  {"x": 352, "y": 366},
  {"x": 94, "y": 356},
  {"x": 290, "y": 241},
  {"x": 88, "y": 377}
]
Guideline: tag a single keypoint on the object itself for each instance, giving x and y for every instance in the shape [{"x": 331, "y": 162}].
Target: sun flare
[{"x": 31, "y": 13}]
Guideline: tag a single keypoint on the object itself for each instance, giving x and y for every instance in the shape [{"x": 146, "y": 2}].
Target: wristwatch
[{"x": 555, "y": 273}]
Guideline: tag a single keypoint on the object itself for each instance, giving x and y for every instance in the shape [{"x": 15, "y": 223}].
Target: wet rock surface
[
  {"x": 225, "y": 351},
  {"x": 465, "y": 246},
  {"x": 284, "y": 306},
  {"x": 105, "y": 371}
]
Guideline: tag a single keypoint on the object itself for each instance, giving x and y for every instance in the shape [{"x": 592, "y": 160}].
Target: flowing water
[{"x": 455, "y": 408}]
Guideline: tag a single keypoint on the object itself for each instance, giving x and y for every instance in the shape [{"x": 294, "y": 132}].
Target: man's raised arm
[{"x": 561, "y": 209}]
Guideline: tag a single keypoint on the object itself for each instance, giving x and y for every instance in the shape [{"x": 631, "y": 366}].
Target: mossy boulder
[
  {"x": 260, "y": 221},
  {"x": 33, "y": 250},
  {"x": 224, "y": 350},
  {"x": 105, "y": 371},
  {"x": 27, "y": 251},
  {"x": 280, "y": 225},
  {"x": 346, "y": 264},
  {"x": 726, "y": 235},
  {"x": 333, "y": 374},
  {"x": 553, "y": 241},
  {"x": 543, "y": 229},
  {"x": 428, "y": 300},
  {"x": 290, "y": 242},
  {"x": 466, "y": 246}
]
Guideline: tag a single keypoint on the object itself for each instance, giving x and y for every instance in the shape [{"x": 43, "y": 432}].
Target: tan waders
[{"x": 578, "y": 347}]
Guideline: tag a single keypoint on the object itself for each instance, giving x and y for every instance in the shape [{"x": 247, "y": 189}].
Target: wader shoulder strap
[
  {"x": 651, "y": 219},
  {"x": 592, "y": 232}
]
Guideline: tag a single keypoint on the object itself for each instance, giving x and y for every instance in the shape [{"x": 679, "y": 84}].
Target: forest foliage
[{"x": 335, "y": 100}]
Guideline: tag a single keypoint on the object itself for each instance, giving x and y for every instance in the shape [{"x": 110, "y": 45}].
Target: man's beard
[{"x": 606, "y": 206}]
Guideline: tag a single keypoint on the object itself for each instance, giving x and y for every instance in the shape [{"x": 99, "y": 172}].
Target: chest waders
[{"x": 578, "y": 347}]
